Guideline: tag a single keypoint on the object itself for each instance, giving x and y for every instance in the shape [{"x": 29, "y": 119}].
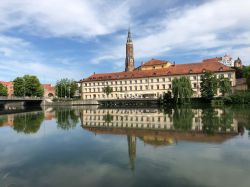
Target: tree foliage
[
  {"x": 208, "y": 85},
  {"x": 3, "y": 90},
  {"x": 28, "y": 85},
  {"x": 246, "y": 74},
  {"x": 66, "y": 88},
  {"x": 28, "y": 122},
  {"x": 225, "y": 86},
  {"x": 66, "y": 119},
  {"x": 182, "y": 118},
  {"x": 182, "y": 89},
  {"x": 107, "y": 90}
]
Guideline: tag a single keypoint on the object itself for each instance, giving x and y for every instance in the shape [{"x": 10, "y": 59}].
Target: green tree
[
  {"x": 246, "y": 74},
  {"x": 225, "y": 86},
  {"x": 3, "y": 90},
  {"x": 28, "y": 122},
  {"x": 28, "y": 85},
  {"x": 66, "y": 88},
  {"x": 108, "y": 118},
  {"x": 182, "y": 89},
  {"x": 208, "y": 85},
  {"x": 66, "y": 119},
  {"x": 107, "y": 90},
  {"x": 183, "y": 118},
  {"x": 19, "y": 86}
]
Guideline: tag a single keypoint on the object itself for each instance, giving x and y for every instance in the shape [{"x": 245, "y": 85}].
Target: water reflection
[
  {"x": 151, "y": 147},
  {"x": 165, "y": 128},
  {"x": 66, "y": 118},
  {"x": 28, "y": 122},
  {"x": 178, "y": 120}
]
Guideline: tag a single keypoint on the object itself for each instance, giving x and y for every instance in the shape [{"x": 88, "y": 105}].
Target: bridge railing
[{"x": 20, "y": 98}]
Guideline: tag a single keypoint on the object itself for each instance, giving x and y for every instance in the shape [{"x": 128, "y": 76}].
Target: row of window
[
  {"x": 194, "y": 77},
  {"x": 130, "y": 88},
  {"x": 135, "y": 88}
]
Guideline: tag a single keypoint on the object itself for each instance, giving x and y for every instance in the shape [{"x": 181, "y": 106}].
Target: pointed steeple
[
  {"x": 129, "y": 61},
  {"x": 129, "y": 38}
]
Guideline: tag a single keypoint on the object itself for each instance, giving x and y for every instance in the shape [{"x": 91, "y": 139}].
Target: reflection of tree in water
[
  {"x": 212, "y": 122},
  {"x": 241, "y": 114},
  {"x": 66, "y": 119},
  {"x": 3, "y": 119},
  {"x": 183, "y": 118},
  {"x": 108, "y": 118},
  {"x": 28, "y": 122}
]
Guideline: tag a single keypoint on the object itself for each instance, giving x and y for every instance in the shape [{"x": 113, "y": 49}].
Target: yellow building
[{"x": 151, "y": 79}]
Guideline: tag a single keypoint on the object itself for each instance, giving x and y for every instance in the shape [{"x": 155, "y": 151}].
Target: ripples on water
[{"x": 126, "y": 147}]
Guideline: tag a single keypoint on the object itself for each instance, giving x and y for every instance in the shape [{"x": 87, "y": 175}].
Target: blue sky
[{"x": 54, "y": 39}]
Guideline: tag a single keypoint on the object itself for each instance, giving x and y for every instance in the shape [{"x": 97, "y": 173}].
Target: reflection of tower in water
[{"x": 132, "y": 150}]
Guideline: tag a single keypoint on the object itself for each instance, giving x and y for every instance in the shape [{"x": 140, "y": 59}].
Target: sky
[{"x": 56, "y": 39}]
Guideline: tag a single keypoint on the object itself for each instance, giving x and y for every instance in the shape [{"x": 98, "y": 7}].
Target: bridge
[{"x": 16, "y": 102}]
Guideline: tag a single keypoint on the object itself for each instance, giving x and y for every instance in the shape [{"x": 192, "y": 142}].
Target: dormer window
[
  {"x": 190, "y": 71},
  {"x": 204, "y": 70},
  {"x": 221, "y": 68}
]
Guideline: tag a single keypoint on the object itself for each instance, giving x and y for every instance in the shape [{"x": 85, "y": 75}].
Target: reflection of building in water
[
  {"x": 132, "y": 150},
  {"x": 159, "y": 129},
  {"x": 152, "y": 119},
  {"x": 6, "y": 120}
]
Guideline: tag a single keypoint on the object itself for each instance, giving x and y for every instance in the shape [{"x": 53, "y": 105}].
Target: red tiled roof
[
  {"x": 48, "y": 87},
  {"x": 154, "y": 62},
  {"x": 212, "y": 65},
  {"x": 6, "y": 83}
]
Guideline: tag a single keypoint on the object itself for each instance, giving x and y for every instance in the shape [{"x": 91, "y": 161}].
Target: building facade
[
  {"x": 9, "y": 86},
  {"x": 49, "y": 90},
  {"x": 151, "y": 79}
]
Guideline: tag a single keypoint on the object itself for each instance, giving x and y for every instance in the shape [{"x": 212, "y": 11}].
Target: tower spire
[
  {"x": 129, "y": 61},
  {"x": 129, "y": 38}
]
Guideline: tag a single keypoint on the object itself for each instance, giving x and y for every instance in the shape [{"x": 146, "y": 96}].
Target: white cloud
[
  {"x": 212, "y": 25},
  {"x": 80, "y": 18},
  {"x": 18, "y": 57}
]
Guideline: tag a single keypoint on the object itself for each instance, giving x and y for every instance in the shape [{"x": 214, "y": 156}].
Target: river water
[{"x": 126, "y": 147}]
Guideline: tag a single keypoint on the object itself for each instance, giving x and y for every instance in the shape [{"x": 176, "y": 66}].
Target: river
[{"x": 88, "y": 146}]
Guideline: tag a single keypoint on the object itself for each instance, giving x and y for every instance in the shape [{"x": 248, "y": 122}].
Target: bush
[{"x": 240, "y": 97}]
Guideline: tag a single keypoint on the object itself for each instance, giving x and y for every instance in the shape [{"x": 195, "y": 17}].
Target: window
[
  {"x": 229, "y": 75},
  {"x": 195, "y": 85},
  {"x": 130, "y": 88},
  {"x": 141, "y": 81},
  {"x": 152, "y": 80},
  {"x": 169, "y": 86},
  {"x": 158, "y": 87},
  {"x": 140, "y": 87},
  {"x": 146, "y": 87},
  {"x": 163, "y": 79},
  {"x": 163, "y": 86},
  {"x": 194, "y": 77},
  {"x": 169, "y": 78},
  {"x": 152, "y": 87},
  {"x": 157, "y": 80}
]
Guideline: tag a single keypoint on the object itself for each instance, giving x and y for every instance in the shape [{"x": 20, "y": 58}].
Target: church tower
[{"x": 129, "y": 61}]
